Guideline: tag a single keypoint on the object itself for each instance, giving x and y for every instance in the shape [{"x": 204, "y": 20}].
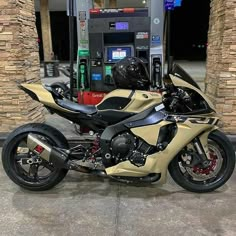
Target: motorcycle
[{"x": 137, "y": 137}]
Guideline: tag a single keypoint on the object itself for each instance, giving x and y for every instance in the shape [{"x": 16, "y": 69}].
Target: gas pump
[
  {"x": 113, "y": 35},
  {"x": 82, "y": 9},
  {"x": 108, "y": 35}
]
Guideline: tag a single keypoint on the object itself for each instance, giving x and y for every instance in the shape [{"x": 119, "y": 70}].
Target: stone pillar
[
  {"x": 110, "y": 4},
  {"x": 19, "y": 62},
  {"x": 46, "y": 30},
  {"x": 98, "y": 4},
  {"x": 106, "y": 3},
  {"x": 113, "y": 4},
  {"x": 221, "y": 61}
]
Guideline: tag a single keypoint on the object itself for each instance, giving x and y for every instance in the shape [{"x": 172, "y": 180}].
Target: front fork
[
  {"x": 202, "y": 154},
  {"x": 201, "y": 145}
]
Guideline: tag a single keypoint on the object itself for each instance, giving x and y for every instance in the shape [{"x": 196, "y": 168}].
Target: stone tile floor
[{"x": 88, "y": 205}]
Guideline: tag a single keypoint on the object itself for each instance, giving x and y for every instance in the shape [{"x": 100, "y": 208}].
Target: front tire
[
  {"x": 224, "y": 150},
  {"x": 15, "y": 150}
]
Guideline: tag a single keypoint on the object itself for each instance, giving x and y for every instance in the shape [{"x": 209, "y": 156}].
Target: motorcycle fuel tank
[{"x": 133, "y": 101}]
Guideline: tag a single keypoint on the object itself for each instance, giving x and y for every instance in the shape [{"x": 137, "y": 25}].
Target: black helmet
[{"x": 131, "y": 73}]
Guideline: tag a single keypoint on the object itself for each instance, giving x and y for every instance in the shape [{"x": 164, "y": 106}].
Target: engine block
[{"x": 127, "y": 147}]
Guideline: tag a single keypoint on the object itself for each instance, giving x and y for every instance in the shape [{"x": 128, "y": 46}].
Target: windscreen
[{"x": 178, "y": 71}]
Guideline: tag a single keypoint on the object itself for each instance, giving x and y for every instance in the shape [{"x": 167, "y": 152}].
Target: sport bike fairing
[
  {"x": 141, "y": 114},
  {"x": 186, "y": 130},
  {"x": 178, "y": 82}
]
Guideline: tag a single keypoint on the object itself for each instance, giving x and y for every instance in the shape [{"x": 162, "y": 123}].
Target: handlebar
[{"x": 177, "y": 100}]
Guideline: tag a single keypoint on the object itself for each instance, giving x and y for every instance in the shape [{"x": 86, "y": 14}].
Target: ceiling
[{"x": 60, "y": 5}]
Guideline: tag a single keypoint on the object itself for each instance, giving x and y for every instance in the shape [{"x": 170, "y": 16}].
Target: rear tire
[
  {"x": 12, "y": 166},
  {"x": 227, "y": 168}
]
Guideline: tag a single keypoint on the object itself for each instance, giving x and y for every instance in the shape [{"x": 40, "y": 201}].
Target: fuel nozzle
[
  {"x": 157, "y": 73},
  {"x": 83, "y": 75}
]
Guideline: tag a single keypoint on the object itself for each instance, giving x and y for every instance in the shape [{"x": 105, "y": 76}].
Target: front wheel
[{"x": 199, "y": 179}]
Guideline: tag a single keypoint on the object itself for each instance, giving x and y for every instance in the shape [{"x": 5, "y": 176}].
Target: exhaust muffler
[{"x": 47, "y": 152}]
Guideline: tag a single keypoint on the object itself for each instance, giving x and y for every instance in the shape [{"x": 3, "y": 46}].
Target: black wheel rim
[
  {"x": 33, "y": 174},
  {"x": 214, "y": 179}
]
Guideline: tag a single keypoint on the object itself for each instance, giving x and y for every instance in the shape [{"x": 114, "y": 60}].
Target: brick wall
[
  {"x": 221, "y": 61},
  {"x": 19, "y": 62}
]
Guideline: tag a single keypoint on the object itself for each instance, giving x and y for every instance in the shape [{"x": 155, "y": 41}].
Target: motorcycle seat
[{"x": 72, "y": 106}]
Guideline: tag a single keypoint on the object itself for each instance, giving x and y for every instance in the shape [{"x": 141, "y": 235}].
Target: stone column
[
  {"x": 46, "y": 30},
  {"x": 19, "y": 63},
  {"x": 106, "y": 3},
  {"x": 110, "y": 4},
  {"x": 113, "y": 4},
  {"x": 221, "y": 61},
  {"x": 98, "y": 3}
]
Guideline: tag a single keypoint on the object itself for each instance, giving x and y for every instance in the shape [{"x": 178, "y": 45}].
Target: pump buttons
[
  {"x": 96, "y": 63},
  {"x": 99, "y": 55}
]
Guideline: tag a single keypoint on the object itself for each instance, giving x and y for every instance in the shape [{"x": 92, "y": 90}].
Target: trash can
[{"x": 51, "y": 69}]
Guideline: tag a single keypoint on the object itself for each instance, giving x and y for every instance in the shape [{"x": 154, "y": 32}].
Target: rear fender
[{"x": 39, "y": 93}]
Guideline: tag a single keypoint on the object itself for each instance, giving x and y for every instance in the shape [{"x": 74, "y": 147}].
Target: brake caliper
[{"x": 209, "y": 169}]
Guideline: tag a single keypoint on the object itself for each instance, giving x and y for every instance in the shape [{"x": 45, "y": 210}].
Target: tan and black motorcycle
[{"x": 138, "y": 136}]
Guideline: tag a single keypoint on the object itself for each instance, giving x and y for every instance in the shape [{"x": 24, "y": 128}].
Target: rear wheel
[
  {"x": 199, "y": 179},
  {"x": 24, "y": 167}
]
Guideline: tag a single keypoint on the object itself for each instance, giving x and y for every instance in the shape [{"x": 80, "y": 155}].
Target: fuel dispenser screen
[
  {"x": 122, "y": 25},
  {"x": 118, "y": 54},
  {"x": 115, "y": 54}
]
